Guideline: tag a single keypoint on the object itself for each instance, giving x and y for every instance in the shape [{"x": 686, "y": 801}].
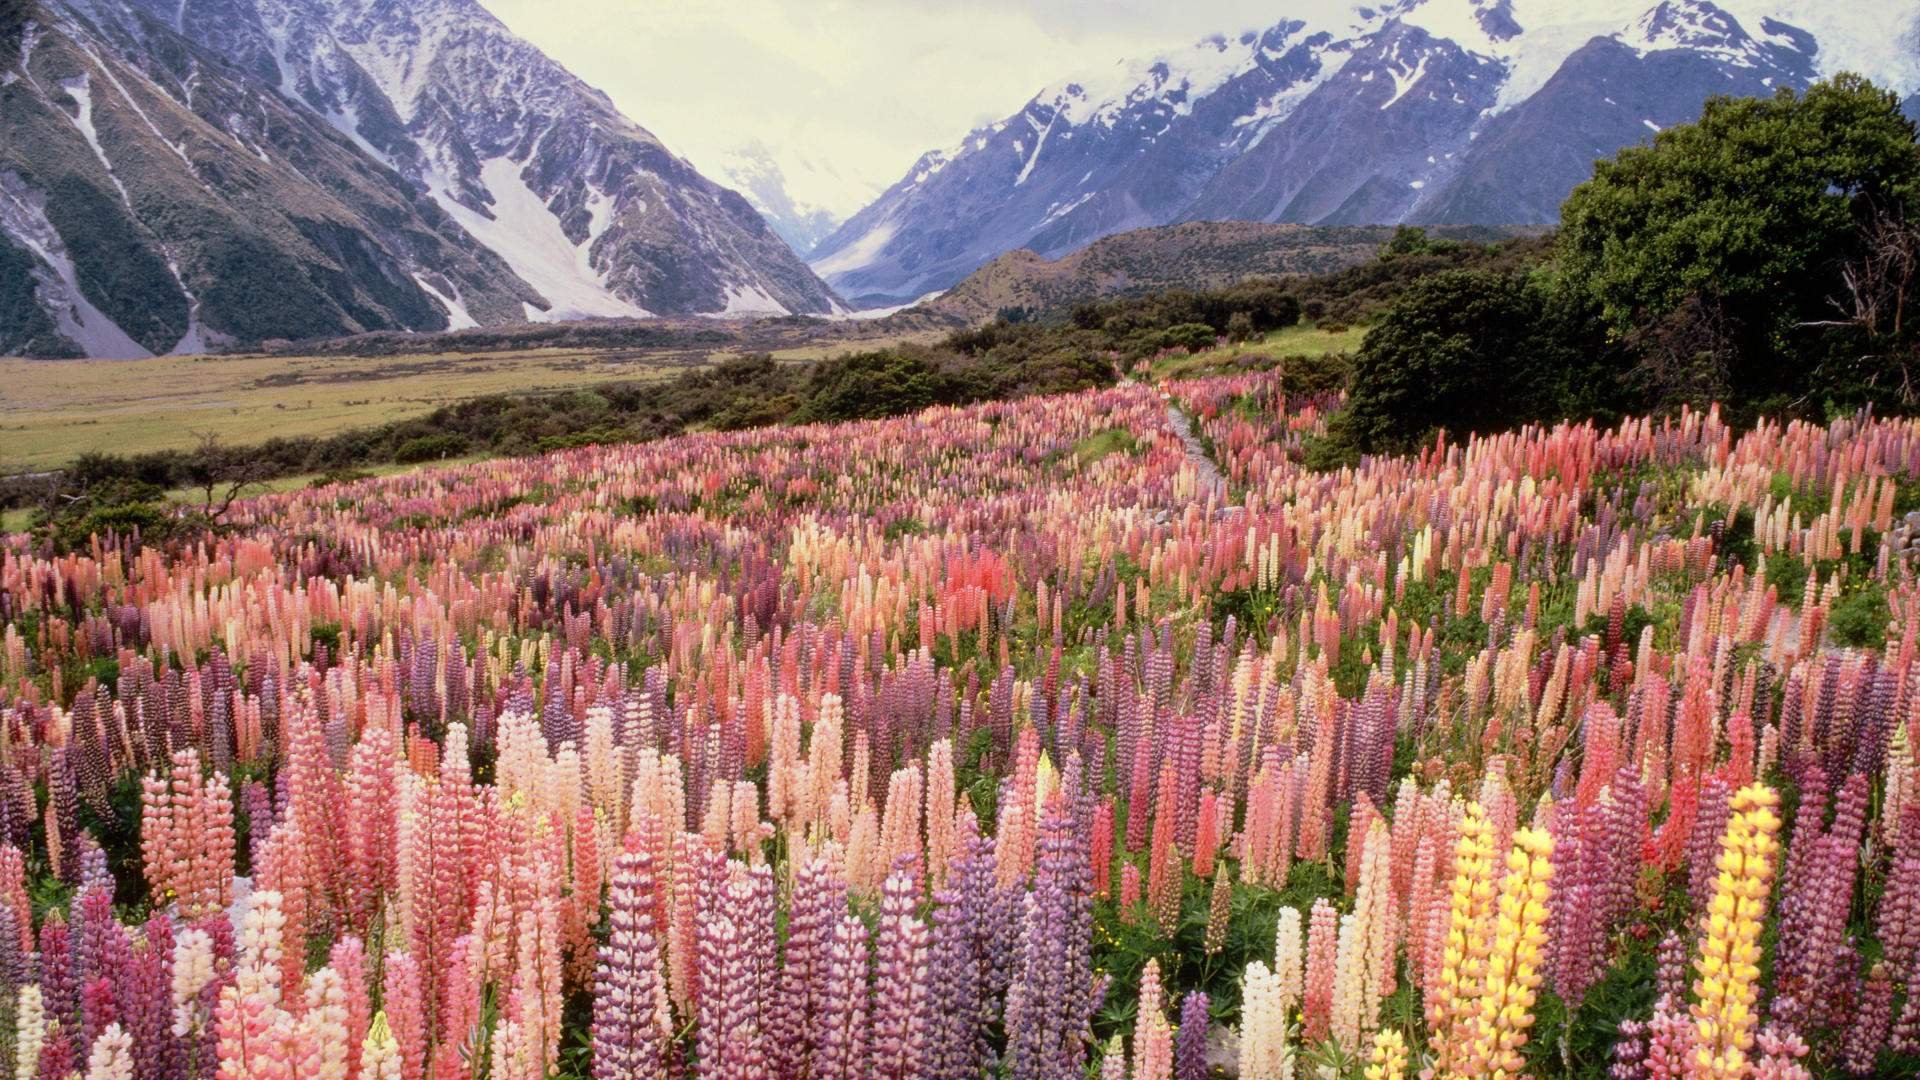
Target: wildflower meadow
[{"x": 1089, "y": 735}]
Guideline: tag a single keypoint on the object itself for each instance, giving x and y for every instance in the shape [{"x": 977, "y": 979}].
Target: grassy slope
[
  {"x": 1200, "y": 254},
  {"x": 1302, "y": 340},
  {"x": 53, "y": 410}
]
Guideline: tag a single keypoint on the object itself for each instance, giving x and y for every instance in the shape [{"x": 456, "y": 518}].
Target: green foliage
[
  {"x": 1715, "y": 246},
  {"x": 1101, "y": 443},
  {"x": 1859, "y": 618},
  {"x": 1413, "y": 240},
  {"x": 1460, "y": 350},
  {"x": 430, "y": 448},
  {"x": 1302, "y": 376},
  {"x": 1334, "y": 450},
  {"x": 125, "y": 279},
  {"x": 25, "y": 327},
  {"x": 1189, "y": 336},
  {"x": 867, "y": 386},
  {"x": 13, "y": 15}
]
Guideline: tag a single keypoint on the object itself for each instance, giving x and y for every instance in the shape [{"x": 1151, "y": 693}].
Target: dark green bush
[{"x": 430, "y": 448}]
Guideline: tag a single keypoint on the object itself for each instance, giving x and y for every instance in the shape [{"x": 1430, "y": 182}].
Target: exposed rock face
[
  {"x": 174, "y": 173},
  {"x": 1428, "y": 111}
]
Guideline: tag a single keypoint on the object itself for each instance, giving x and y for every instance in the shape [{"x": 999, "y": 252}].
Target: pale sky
[{"x": 857, "y": 88}]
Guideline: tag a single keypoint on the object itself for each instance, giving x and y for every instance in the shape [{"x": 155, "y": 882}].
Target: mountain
[
  {"x": 175, "y": 174},
  {"x": 803, "y": 200},
  {"x": 1194, "y": 254},
  {"x": 1427, "y": 111}
]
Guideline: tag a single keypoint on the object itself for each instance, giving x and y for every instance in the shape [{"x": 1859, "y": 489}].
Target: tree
[
  {"x": 1719, "y": 246},
  {"x": 1877, "y": 348},
  {"x": 222, "y": 475},
  {"x": 1458, "y": 350}
]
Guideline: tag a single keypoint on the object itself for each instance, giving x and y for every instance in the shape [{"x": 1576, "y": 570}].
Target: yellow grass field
[{"x": 54, "y": 410}]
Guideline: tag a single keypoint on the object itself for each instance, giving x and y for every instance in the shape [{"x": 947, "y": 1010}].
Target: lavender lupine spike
[
  {"x": 147, "y": 1004},
  {"x": 1190, "y": 1045},
  {"x": 1050, "y": 1002},
  {"x": 735, "y": 958},
  {"x": 819, "y": 897},
  {"x": 632, "y": 1020},
  {"x": 900, "y": 1020},
  {"x": 955, "y": 995},
  {"x": 841, "y": 1019}
]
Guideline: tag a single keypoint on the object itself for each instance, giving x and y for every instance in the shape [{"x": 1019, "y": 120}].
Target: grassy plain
[
  {"x": 53, "y": 410},
  {"x": 1302, "y": 340}
]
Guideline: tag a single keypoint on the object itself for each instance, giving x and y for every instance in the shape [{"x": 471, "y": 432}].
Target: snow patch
[
  {"x": 860, "y": 253},
  {"x": 1062, "y": 209},
  {"x": 1405, "y": 80},
  {"x": 524, "y": 232},
  {"x": 457, "y": 316},
  {"x": 81, "y": 91},
  {"x": 752, "y": 300},
  {"x": 1280, "y": 105},
  {"x": 23, "y": 217},
  {"x": 121, "y": 88},
  {"x": 1039, "y": 143}
]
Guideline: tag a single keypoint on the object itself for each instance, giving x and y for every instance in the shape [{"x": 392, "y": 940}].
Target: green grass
[
  {"x": 1301, "y": 340},
  {"x": 1101, "y": 443}
]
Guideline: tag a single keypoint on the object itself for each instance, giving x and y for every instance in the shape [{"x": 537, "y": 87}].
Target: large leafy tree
[
  {"x": 1720, "y": 249},
  {"x": 1462, "y": 350}
]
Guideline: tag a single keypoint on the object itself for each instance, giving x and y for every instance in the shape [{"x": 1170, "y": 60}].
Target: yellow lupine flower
[
  {"x": 1453, "y": 1006},
  {"x": 1513, "y": 966},
  {"x": 1728, "y": 960},
  {"x": 1388, "y": 1061}
]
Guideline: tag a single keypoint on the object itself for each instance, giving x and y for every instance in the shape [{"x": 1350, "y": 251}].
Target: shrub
[
  {"x": 430, "y": 448},
  {"x": 1451, "y": 353},
  {"x": 1192, "y": 337}
]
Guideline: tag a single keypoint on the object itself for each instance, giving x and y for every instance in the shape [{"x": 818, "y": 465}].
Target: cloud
[{"x": 864, "y": 86}]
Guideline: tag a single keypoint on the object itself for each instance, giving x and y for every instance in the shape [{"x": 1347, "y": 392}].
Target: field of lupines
[{"x": 1017, "y": 740}]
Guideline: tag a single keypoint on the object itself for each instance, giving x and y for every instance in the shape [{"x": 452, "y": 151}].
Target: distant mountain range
[
  {"x": 176, "y": 175},
  {"x": 179, "y": 173},
  {"x": 1429, "y": 111}
]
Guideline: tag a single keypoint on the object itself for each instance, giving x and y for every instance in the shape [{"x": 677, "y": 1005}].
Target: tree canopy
[{"x": 1719, "y": 245}]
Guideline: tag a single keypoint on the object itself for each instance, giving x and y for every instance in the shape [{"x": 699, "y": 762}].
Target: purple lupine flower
[
  {"x": 819, "y": 897},
  {"x": 841, "y": 1020},
  {"x": 1629, "y": 1053},
  {"x": 900, "y": 983},
  {"x": 1190, "y": 1044},
  {"x": 1049, "y": 1004},
  {"x": 1671, "y": 963},
  {"x": 735, "y": 976},
  {"x": 1814, "y": 958},
  {"x": 1703, "y": 844},
  {"x": 955, "y": 994},
  {"x": 58, "y": 986},
  {"x": 146, "y": 1006},
  {"x": 1867, "y": 1033},
  {"x": 630, "y": 1011}
]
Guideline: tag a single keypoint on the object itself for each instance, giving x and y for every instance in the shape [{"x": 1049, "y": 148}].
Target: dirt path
[{"x": 1196, "y": 451}]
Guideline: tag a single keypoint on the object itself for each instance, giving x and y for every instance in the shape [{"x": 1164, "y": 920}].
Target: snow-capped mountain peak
[
  {"x": 1484, "y": 111},
  {"x": 385, "y": 165}
]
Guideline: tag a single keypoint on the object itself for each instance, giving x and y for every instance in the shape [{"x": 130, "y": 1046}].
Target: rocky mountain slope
[
  {"x": 1429, "y": 111},
  {"x": 179, "y": 173}
]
